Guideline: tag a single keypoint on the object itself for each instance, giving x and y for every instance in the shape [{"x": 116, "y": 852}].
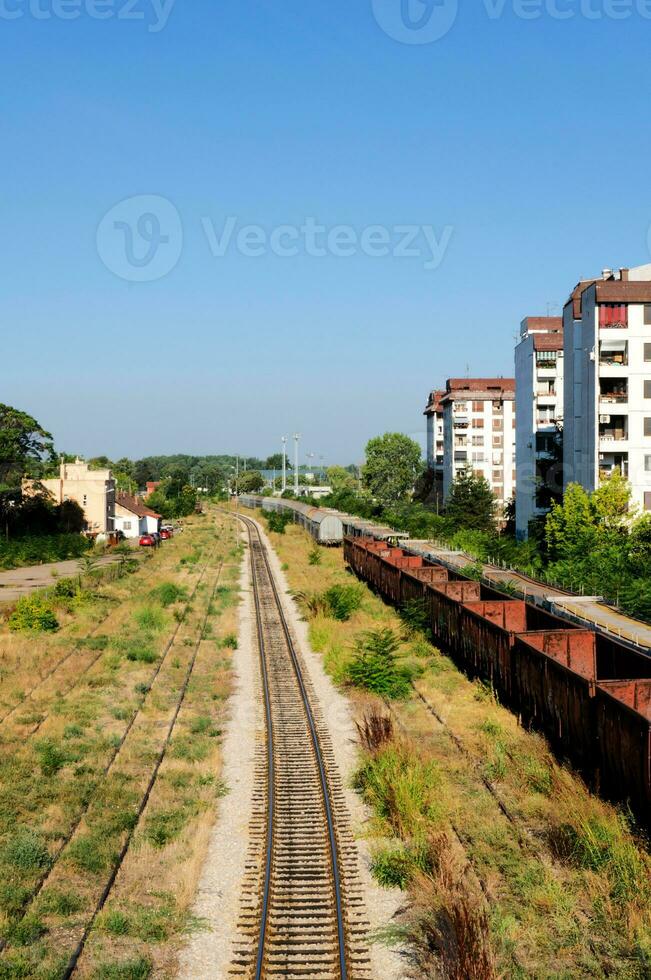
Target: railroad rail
[{"x": 301, "y": 912}]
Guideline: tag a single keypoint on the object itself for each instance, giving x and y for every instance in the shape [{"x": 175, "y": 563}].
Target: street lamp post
[
  {"x": 284, "y": 442},
  {"x": 297, "y": 436}
]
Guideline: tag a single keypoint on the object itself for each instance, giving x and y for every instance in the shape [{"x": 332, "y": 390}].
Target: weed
[
  {"x": 314, "y": 557},
  {"x": 167, "y": 593},
  {"x": 51, "y": 757},
  {"x": 374, "y": 666},
  {"x": 33, "y": 614},
  {"x": 73, "y": 731},
  {"x": 138, "y": 969},
  {"x": 375, "y": 730},
  {"x": 26, "y": 931},
  {"x": 202, "y": 725},
  {"x": 403, "y": 788},
  {"x": 392, "y": 867},
  {"x": 88, "y": 854},
  {"x": 55, "y": 902},
  {"x": 164, "y": 826},
  {"x": 142, "y": 689},
  {"x": 116, "y": 923},
  {"x": 142, "y": 654},
  {"x": 26, "y": 851},
  {"x": 415, "y": 616},
  {"x": 150, "y": 619},
  {"x": 13, "y": 897},
  {"x": 229, "y": 641}
]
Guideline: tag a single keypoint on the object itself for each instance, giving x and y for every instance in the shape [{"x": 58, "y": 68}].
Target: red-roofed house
[{"x": 134, "y": 518}]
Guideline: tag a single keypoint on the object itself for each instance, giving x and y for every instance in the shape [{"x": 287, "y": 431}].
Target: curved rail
[{"x": 274, "y": 833}]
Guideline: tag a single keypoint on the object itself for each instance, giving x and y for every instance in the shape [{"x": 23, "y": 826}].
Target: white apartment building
[
  {"x": 539, "y": 406},
  {"x": 435, "y": 446},
  {"x": 479, "y": 432},
  {"x": 607, "y": 330}
]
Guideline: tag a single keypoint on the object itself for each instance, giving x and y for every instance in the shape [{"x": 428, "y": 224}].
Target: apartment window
[
  {"x": 478, "y": 423},
  {"x": 647, "y": 314},
  {"x": 85, "y": 500},
  {"x": 647, "y": 352},
  {"x": 647, "y": 501},
  {"x": 497, "y": 442},
  {"x": 647, "y": 389},
  {"x": 647, "y": 426},
  {"x": 497, "y": 424},
  {"x": 127, "y": 525},
  {"x": 647, "y": 464},
  {"x": 478, "y": 440},
  {"x": 461, "y": 406}
]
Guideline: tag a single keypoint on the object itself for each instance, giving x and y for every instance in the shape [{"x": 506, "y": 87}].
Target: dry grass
[
  {"x": 63, "y": 779},
  {"x": 565, "y": 883}
]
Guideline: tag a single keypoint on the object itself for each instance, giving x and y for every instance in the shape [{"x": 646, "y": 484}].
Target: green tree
[
  {"x": 393, "y": 464},
  {"x": 639, "y": 546},
  {"x": 250, "y": 482},
  {"x": 570, "y": 530},
  {"x": 471, "y": 503},
  {"x": 22, "y": 442},
  {"x": 611, "y": 503},
  {"x": 340, "y": 479}
]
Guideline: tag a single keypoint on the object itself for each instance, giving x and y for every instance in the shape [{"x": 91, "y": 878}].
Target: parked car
[
  {"x": 165, "y": 534},
  {"x": 147, "y": 541}
]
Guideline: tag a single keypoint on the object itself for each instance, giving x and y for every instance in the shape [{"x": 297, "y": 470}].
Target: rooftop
[{"x": 134, "y": 505}]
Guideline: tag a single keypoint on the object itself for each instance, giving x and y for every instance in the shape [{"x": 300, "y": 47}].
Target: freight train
[{"x": 589, "y": 694}]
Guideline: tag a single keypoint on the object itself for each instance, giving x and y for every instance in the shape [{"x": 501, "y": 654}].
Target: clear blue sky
[{"x": 530, "y": 138}]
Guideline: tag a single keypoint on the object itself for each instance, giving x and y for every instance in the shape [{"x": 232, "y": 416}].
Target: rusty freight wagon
[
  {"x": 623, "y": 722},
  {"x": 487, "y": 632},
  {"x": 414, "y": 582},
  {"x": 554, "y": 683}
]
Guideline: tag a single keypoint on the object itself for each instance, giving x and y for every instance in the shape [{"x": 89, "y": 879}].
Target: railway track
[{"x": 302, "y": 911}]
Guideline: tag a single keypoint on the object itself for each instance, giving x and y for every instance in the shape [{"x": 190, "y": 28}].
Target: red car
[
  {"x": 147, "y": 541},
  {"x": 165, "y": 534}
]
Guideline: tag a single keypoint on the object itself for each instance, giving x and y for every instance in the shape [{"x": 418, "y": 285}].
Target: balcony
[
  {"x": 461, "y": 423},
  {"x": 610, "y": 463},
  {"x": 613, "y": 428},
  {"x": 613, "y": 392}
]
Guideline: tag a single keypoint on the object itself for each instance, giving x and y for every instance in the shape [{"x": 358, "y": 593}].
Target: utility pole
[
  {"x": 284, "y": 442},
  {"x": 297, "y": 436}
]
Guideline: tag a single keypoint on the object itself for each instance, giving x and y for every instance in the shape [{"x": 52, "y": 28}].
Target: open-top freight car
[{"x": 590, "y": 694}]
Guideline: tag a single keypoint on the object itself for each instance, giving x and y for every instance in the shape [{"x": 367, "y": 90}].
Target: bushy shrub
[
  {"x": 33, "y": 614},
  {"x": 343, "y": 600},
  {"x": 25, "y": 851},
  {"x": 35, "y": 550},
  {"x": 278, "y": 520},
  {"x": 374, "y": 665},
  {"x": 167, "y": 593},
  {"x": 150, "y": 619}
]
